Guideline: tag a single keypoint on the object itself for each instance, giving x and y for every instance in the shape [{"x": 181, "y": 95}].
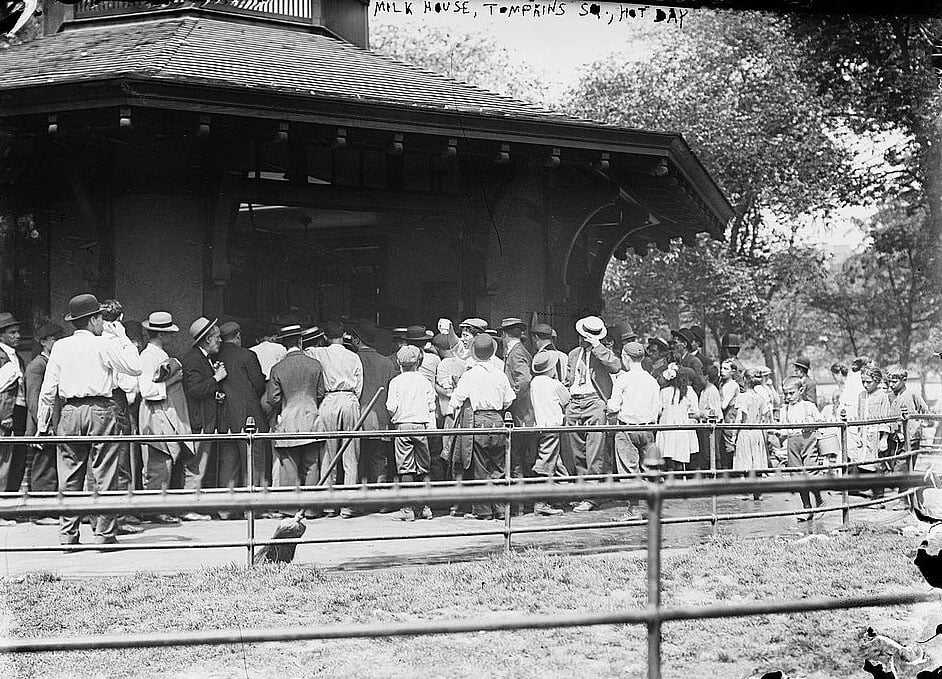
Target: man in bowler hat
[
  {"x": 243, "y": 387},
  {"x": 12, "y": 404},
  {"x": 81, "y": 372}
]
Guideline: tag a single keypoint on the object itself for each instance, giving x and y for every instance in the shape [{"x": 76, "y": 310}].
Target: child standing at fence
[
  {"x": 549, "y": 398},
  {"x": 801, "y": 444},
  {"x": 411, "y": 405},
  {"x": 875, "y": 438},
  {"x": 729, "y": 394},
  {"x": 678, "y": 406},
  {"x": 751, "y": 452}
]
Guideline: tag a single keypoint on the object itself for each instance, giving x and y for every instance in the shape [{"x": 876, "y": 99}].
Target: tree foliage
[{"x": 733, "y": 85}]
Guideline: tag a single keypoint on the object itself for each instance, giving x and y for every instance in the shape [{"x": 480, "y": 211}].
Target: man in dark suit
[
  {"x": 686, "y": 359},
  {"x": 377, "y": 462},
  {"x": 202, "y": 375},
  {"x": 589, "y": 379},
  {"x": 699, "y": 348},
  {"x": 43, "y": 476},
  {"x": 517, "y": 367},
  {"x": 12, "y": 405},
  {"x": 243, "y": 387},
  {"x": 292, "y": 399}
]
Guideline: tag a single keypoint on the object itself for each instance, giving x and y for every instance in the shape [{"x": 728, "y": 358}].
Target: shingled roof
[{"x": 199, "y": 50}]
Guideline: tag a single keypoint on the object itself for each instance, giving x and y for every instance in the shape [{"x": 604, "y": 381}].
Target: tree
[
  {"x": 474, "y": 59},
  {"x": 733, "y": 85}
]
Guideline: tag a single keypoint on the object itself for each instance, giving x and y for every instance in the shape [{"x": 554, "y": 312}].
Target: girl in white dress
[
  {"x": 751, "y": 452},
  {"x": 678, "y": 406}
]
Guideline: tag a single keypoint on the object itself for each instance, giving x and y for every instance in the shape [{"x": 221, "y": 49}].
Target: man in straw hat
[
  {"x": 81, "y": 372},
  {"x": 167, "y": 464},
  {"x": 589, "y": 379},
  {"x": 202, "y": 376},
  {"x": 43, "y": 476},
  {"x": 487, "y": 388},
  {"x": 243, "y": 387},
  {"x": 12, "y": 404},
  {"x": 343, "y": 381},
  {"x": 292, "y": 399}
]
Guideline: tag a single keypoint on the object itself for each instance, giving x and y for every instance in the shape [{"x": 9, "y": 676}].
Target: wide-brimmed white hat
[
  {"x": 160, "y": 321},
  {"x": 591, "y": 327}
]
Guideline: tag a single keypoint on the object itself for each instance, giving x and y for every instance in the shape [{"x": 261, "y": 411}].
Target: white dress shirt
[
  {"x": 84, "y": 365},
  {"x": 582, "y": 380},
  {"x": 343, "y": 370},
  {"x": 549, "y": 398},
  {"x": 411, "y": 399},
  {"x": 151, "y": 358},
  {"x": 486, "y": 386},
  {"x": 636, "y": 396},
  {"x": 11, "y": 372},
  {"x": 269, "y": 353}
]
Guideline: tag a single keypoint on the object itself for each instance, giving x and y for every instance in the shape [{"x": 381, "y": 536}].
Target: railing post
[
  {"x": 909, "y": 462},
  {"x": 509, "y": 424},
  {"x": 714, "y": 443},
  {"x": 654, "y": 578},
  {"x": 845, "y": 510},
  {"x": 250, "y": 430}
]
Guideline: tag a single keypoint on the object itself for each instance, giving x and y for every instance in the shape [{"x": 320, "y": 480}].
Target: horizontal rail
[
  {"x": 487, "y": 493},
  {"x": 503, "y": 623},
  {"x": 393, "y": 433}
]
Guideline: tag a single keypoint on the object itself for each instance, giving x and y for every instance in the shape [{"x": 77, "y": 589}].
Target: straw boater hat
[
  {"x": 159, "y": 321},
  {"x": 81, "y": 306},
  {"x": 543, "y": 362},
  {"x": 591, "y": 327},
  {"x": 508, "y": 323},
  {"x": 200, "y": 328},
  {"x": 7, "y": 320},
  {"x": 312, "y": 333},
  {"x": 287, "y": 331}
]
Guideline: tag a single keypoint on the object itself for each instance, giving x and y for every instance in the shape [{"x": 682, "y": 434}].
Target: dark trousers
[
  {"x": 377, "y": 462},
  {"x": 89, "y": 417},
  {"x": 895, "y": 446},
  {"x": 13, "y": 457},
  {"x": 488, "y": 457},
  {"x": 42, "y": 473},
  {"x": 230, "y": 464},
  {"x": 297, "y": 465}
]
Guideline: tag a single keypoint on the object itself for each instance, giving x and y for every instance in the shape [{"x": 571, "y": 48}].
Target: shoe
[
  {"x": 69, "y": 541},
  {"x": 347, "y": 513},
  {"x": 477, "y": 517},
  {"x": 899, "y": 506},
  {"x": 130, "y": 519},
  {"x": 225, "y": 516},
  {"x": 110, "y": 540},
  {"x": 454, "y": 511},
  {"x": 46, "y": 521},
  {"x": 386, "y": 510},
  {"x": 194, "y": 516},
  {"x": 164, "y": 519},
  {"x": 584, "y": 506},
  {"x": 127, "y": 529},
  {"x": 803, "y": 519},
  {"x": 427, "y": 512},
  {"x": 405, "y": 514},
  {"x": 546, "y": 509},
  {"x": 629, "y": 515},
  {"x": 7, "y": 522},
  {"x": 308, "y": 514},
  {"x": 330, "y": 513}
]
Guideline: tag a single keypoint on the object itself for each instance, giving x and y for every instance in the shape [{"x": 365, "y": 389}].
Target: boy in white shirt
[
  {"x": 802, "y": 444},
  {"x": 411, "y": 406},
  {"x": 549, "y": 398}
]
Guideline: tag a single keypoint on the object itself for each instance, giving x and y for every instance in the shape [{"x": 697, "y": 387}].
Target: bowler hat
[
  {"x": 624, "y": 332},
  {"x": 7, "y": 320},
  {"x": 49, "y": 330},
  {"x": 508, "y": 323},
  {"x": 591, "y": 327},
  {"x": 200, "y": 328},
  {"x": 660, "y": 343},
  {"x": 418, "y": 333},
  {"x": 483, "y": 346},
  {"x": 81, "y": 306},
  {"x": 684, "y": 334},
  {"x": 543, "y": 362},
  {"x": 229, "y": 329},
  {"x": 542, "y": 330},
  {"x": 698, "y": 334},
  {"x": 159, "y": 321},
  {"x": 802, "y": 362},
  {"x": 475, "y": 324},
  {"x": 731, "y": 341},
  {"x": 286, "y": 331}
]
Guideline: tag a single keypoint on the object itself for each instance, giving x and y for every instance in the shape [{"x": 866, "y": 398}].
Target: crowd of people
[{"x": 301, "y": 378}]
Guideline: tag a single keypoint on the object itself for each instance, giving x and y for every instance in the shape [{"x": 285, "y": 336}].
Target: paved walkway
[{"x": 425, "y": 550}]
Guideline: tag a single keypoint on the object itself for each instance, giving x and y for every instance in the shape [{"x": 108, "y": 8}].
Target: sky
[{"x": 562, "y": 44}]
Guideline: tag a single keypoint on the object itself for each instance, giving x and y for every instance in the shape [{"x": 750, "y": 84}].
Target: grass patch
[{"x": 814, "y": 645}]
